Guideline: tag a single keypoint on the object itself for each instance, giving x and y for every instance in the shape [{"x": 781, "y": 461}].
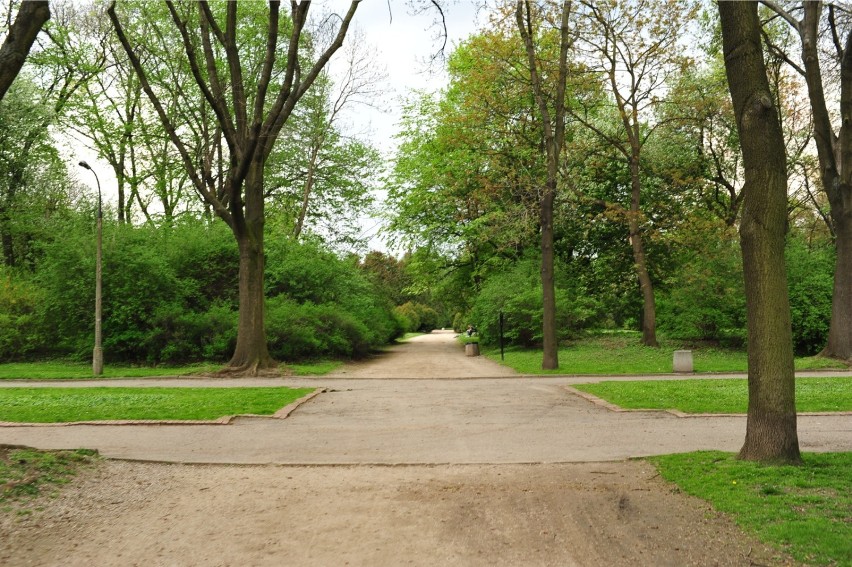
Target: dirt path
[{"x": 482, "y": 477}]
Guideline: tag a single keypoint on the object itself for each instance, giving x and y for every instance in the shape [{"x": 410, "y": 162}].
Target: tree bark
[
  {"x": 839, "y": 343},
  {"x": 251, "y": 354},
  {"x": 835, "y": 160},
  {"x": 31, "y": 17},
  {"x": 640, "y": 262},
  {"x": 550, "y": 356},
  {"x": 307, "y": 189},
  {"x": 771, "y": 434},
  {"x": 553, "y": 138}
]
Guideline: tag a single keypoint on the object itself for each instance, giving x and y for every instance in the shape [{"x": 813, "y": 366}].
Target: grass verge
[
  {"x": 83, "y": 371},
  {"x": 62, "y": 405},
  {"x": 623, "y": 354},
  {"x": 316, "y": 368},
  {"x": 718, "y": 395},
  {"x": 24, "y": 472},
  {"x": 804, "y": 511},
  {"x": 80, "y": 371}
]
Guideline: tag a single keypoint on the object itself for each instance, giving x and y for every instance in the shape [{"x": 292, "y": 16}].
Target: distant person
[{"x": 471, "y": 330}]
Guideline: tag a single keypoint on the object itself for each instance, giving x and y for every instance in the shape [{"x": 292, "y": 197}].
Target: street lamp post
[{"x": 98, "y": 352}]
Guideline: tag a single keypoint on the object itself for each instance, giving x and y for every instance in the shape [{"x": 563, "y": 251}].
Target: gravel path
[{"x": 422, "y": 456}]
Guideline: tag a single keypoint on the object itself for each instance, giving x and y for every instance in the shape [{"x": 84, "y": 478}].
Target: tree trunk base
[
  {"x": 825, "y": 353},
  {"x": 251, "y": 369},
  {"x": 771, "y": 438}
]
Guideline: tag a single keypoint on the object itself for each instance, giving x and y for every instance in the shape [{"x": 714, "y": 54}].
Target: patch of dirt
[{"x": 592, "y": 514}]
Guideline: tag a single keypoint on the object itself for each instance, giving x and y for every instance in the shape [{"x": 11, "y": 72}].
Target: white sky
[{"x": 404, "y": 45}]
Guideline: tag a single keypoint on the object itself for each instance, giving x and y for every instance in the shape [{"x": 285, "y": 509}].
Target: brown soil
[{"x": 591, "y": 514}]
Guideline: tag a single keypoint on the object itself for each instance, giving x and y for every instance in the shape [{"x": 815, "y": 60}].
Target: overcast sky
[{"x": 404, "y": 44}]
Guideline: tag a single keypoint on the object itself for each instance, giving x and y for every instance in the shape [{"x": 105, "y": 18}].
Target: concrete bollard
[
  {"x": 471, "y": 349},
  {"x": 682, "y": 361}
]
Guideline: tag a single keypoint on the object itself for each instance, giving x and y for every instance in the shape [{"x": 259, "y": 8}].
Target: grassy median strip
[
  {"x": 703, "y": 395},
  {"x": 62, "y": 405},
  {"x": 805, "y": 511}
]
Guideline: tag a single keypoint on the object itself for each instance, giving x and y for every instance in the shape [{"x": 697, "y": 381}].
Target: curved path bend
[{"x": 423, "y": 402}]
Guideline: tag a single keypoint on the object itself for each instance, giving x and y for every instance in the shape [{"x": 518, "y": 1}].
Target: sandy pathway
[{"x": 461, "y": 497}]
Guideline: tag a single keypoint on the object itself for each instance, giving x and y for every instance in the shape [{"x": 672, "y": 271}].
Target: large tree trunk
[
  {"x": 251, "y": 354},
  {"x": 550, "y": 358},
  {"x": 840, "y": 331},
  {"x": 771, "y": 434},
  {"x": 640, "y": 261},
  {"x": 31, "y": 17}
]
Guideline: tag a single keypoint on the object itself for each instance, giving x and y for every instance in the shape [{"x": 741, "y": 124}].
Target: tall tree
[
  {"x": 553, "y": 138},
  {"x": 22, "y": 34},
  {"x": 771, "y": 434},
  {"x": 634, "y": 47},
  {"x": 834, "y": 145},
  {"x": 236, "y": 85}
]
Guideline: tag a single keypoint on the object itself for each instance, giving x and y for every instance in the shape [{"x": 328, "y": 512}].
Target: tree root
[{"x": 253, "y": 369}]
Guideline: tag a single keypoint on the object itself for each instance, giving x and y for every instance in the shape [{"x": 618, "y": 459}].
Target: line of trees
[
  {"x": 657, "y": 170},
  {"x": 589, "y": 164}
]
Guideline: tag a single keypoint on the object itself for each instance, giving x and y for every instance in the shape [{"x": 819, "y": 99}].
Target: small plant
[{"x": 23, "y": 472}]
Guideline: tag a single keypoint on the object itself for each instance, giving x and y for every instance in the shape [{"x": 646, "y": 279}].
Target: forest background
[{"x": 647, "y": 106}]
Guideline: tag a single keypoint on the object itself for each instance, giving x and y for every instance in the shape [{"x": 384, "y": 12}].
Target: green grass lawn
[
  {"x": 78, "y": 371},
  {"x": 804, "y": 511},
  {"x": 83, "y": 371},
  {"x": 60, "y": 405},
  {"x": 703, "y": 395},
  {"x": 317, "y": 368},
  {"x": 623, "y": 354}
]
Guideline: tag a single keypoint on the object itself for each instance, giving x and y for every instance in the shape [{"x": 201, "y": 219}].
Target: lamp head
[{"x": 85, "y": 165}]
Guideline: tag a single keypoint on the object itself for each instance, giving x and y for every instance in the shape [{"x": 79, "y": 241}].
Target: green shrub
[
  {"x": 704, "y": 297},
  {"x": 417, "y": 317},
  {"x": 185, "y": 336},
  {"x": 517, "y": 293},
  {"x": 21, "y": 327},
  {"x": 306, "y": 330},
  {"x": 810, "y": 280}
]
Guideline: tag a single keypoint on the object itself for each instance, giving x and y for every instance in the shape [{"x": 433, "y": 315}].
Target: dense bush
[
  {"x": 704, "y": 298},
  {"x": 21, "y": 328},
  {"x": 170, "y": 295},
  {"x": 810, "y": 280},
  {"x": 417, "y": 317},
  {"x": 517, "y": 293}
]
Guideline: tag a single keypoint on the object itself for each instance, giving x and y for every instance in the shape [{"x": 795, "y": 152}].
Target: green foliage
[
  {"x": 417, "y": 317},
  {"x": 21, "y": 331},
  {"x": 703, "y": 297},
  {"x": 321, "y": 305},
  {"x": 517, "y": 293},
  {"x": 170, "y": 296},
  {"x": 719, "y": 396},
  {"x": 299, "y": 330},
  {"x": 62, "y": 405},
  {"x": 802, "y": 510},
  {"x": 810, "y": 280}
]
